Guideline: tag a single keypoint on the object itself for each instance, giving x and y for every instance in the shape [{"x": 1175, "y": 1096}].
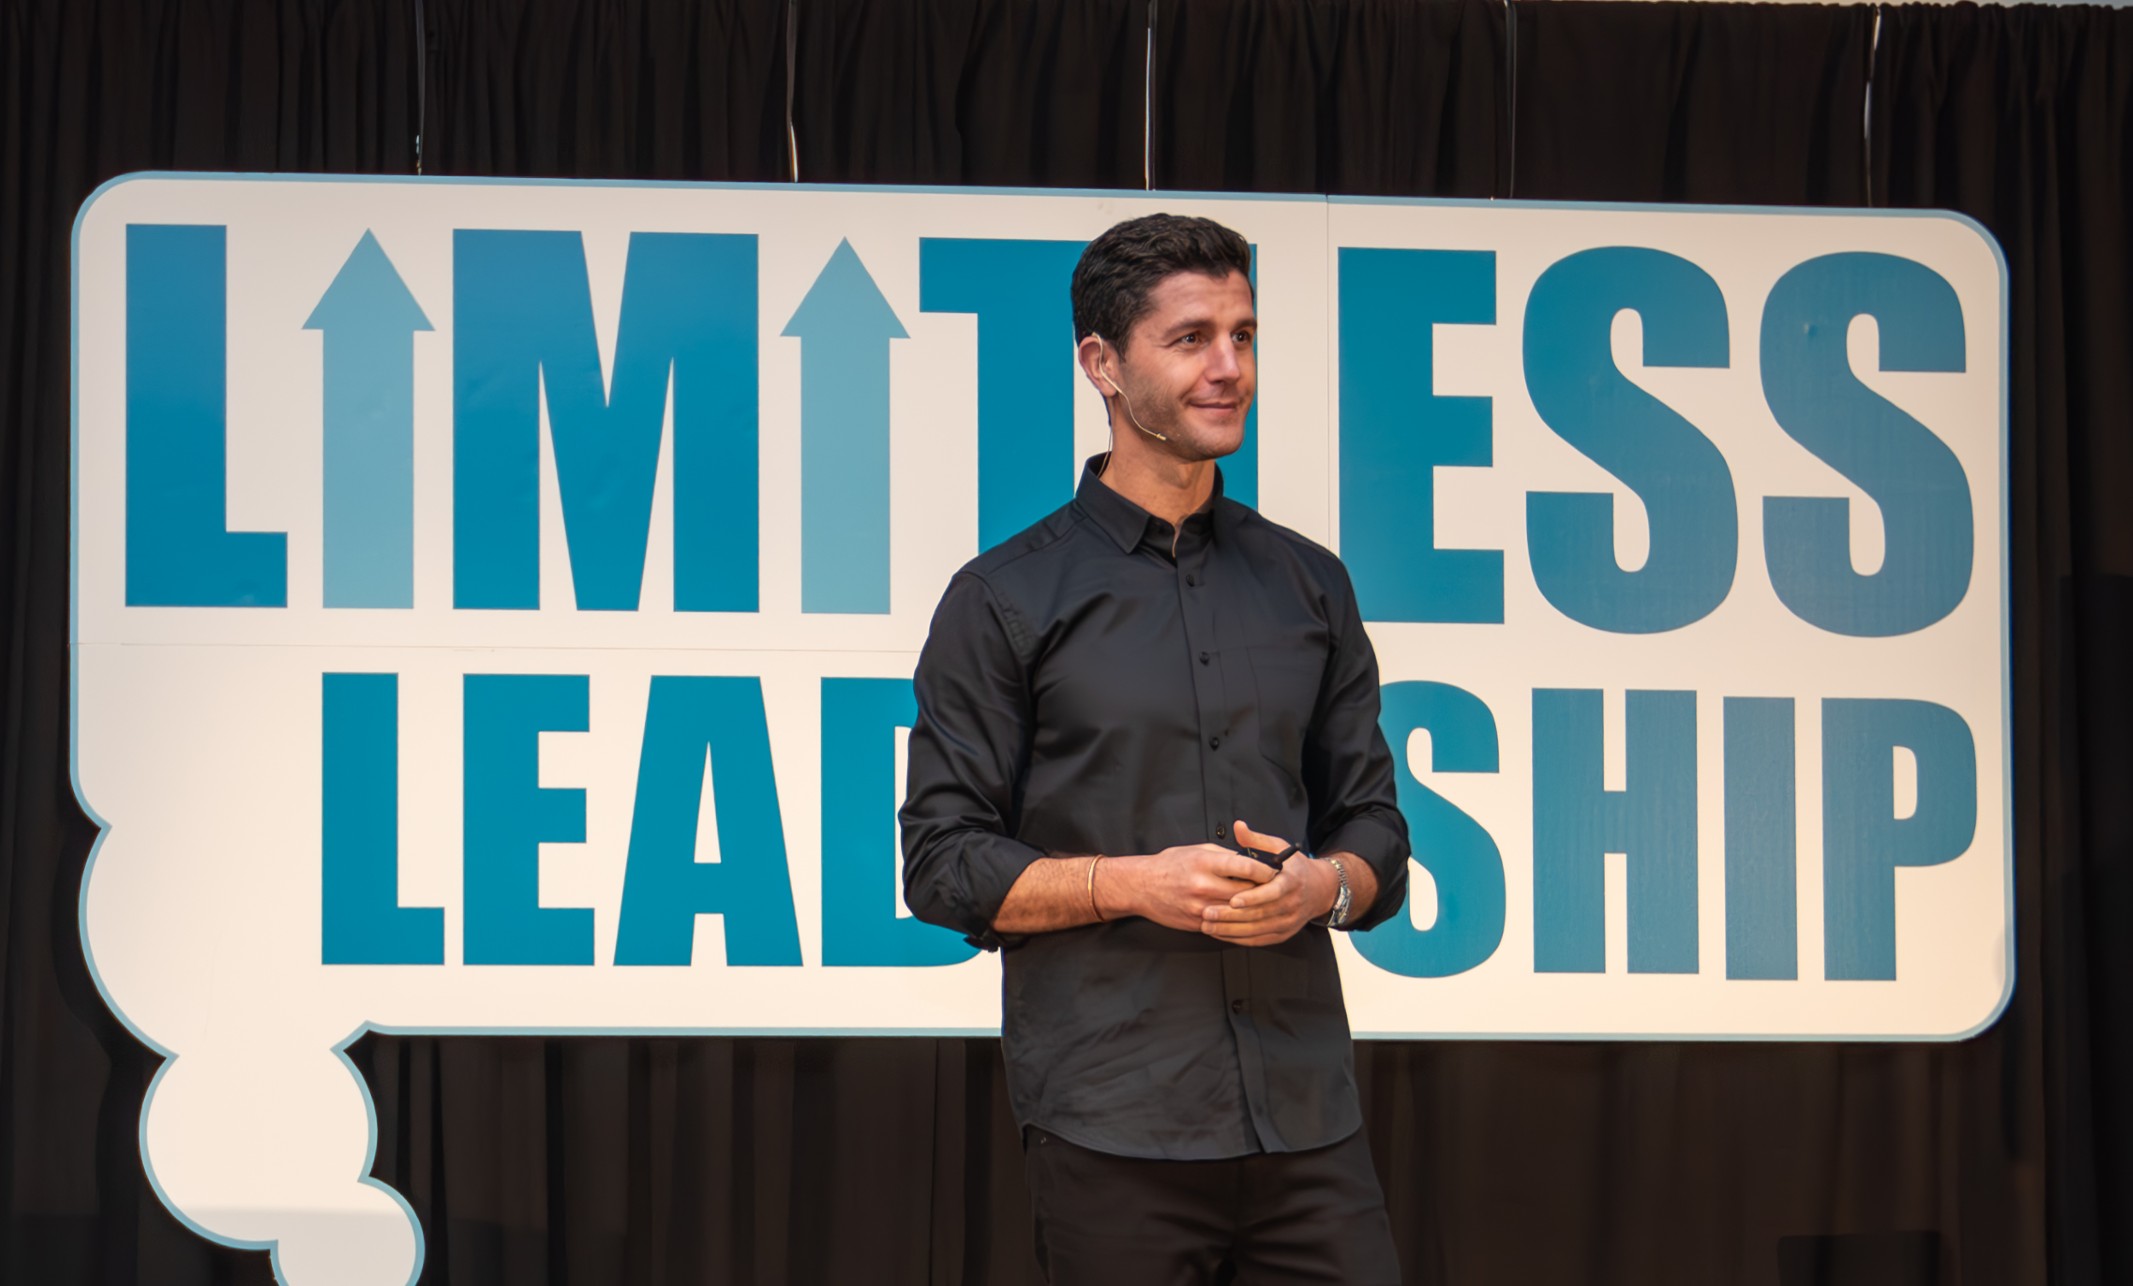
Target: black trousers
[{"x": 1261, "y": 1220}]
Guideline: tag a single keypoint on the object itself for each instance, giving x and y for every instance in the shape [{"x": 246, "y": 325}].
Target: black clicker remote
[{"x": 1271, "y": 859}]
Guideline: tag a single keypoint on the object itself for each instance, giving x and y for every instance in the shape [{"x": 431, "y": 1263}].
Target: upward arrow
[
  {"x": 369, "y": 319},
  {"x": 844, "y": 326}
]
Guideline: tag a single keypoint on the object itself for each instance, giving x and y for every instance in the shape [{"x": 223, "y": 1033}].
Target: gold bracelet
[{"x": 1093, "y": 908}]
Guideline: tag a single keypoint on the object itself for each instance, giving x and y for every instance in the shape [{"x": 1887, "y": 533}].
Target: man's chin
[
  {"x": 1193, "y": 448},
  {"x": 1213, "y": 436},
  {"x": 1222, "y": 440}
]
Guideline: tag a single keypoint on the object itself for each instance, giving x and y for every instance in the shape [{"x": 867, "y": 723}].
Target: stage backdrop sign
[{"x": 495, "y": 607}]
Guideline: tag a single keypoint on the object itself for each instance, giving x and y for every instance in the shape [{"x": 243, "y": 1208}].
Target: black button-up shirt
[{"x": 1102, "y": 683}]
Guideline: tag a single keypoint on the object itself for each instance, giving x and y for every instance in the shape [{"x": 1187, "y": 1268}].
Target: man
[{"x": 1112, "y": 704}]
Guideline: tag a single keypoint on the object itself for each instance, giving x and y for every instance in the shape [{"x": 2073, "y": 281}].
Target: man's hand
[
  {"x": 1178, "y": 887},
  {"x": 1272, "y": 911}
]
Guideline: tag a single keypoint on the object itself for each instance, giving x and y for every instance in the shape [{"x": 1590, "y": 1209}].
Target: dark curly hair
[{"x": 1123, "y": 266}]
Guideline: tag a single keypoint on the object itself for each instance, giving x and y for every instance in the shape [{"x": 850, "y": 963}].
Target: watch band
[{"x": 1338, "y": 917}]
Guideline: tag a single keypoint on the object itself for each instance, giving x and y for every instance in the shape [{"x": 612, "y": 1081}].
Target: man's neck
[{"x": 1169, "y": 489}]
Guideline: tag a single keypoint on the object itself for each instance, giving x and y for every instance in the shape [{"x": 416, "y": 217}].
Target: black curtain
[
  {"x": 2024, "y": 119},
  {"x": 90, "y": 89},
  {"x": 2002, "y": 1160},
  {"x": 1038, "y": 93},
  {"x": 1376, "y": 97}
]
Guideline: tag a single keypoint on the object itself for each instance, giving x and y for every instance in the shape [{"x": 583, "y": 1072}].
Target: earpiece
[{"x": 1123, "y": 396}]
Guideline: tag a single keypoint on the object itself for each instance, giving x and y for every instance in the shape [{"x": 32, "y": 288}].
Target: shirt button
[
  {"x": 1214, "y": 743},
  {"x": 1191, "y": 579},
  {"x": 1221, "y": 832},
  {"x": 1236, "y": 1006},
  {"x": 1203, "y": 658}
]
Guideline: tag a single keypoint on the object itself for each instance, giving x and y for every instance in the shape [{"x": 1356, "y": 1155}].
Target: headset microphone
[{"x": 1124, "y": 398}]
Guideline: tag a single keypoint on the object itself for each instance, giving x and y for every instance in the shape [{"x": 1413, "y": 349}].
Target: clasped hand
[{"x": 1204, "y": 888}]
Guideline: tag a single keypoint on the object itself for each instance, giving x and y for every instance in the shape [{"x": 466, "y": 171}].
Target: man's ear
[{"x": 1090, "y": 354}]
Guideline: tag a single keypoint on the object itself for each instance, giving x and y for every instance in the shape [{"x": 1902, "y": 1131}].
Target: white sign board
[{"x": 495, "y": 605}]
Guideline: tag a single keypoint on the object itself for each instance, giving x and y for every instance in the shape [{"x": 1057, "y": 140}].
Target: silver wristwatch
[{"x": 1338, "y": 916}]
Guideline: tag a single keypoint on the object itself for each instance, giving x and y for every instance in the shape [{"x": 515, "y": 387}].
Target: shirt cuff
[{"x": 985, "y": 887}]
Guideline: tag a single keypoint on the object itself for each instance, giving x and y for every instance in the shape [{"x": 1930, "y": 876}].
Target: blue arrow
[
  {"x": 844, "y": 327},
  {"x": 369, "y": 320}
]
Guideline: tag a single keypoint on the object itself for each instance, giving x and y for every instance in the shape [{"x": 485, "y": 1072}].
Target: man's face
[{"x": 1189, "y": 366}]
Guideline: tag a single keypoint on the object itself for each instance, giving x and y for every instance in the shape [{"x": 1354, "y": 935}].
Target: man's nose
[{"x": 1223, "y": 361}]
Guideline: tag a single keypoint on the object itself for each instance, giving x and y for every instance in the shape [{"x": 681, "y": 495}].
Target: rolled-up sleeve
[
  {"x": 967, "y": 752},
  {"x": 1348, "y": 768}
]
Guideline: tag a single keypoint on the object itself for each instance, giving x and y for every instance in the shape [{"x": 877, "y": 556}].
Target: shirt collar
[{"x": 1124, "y": 521}]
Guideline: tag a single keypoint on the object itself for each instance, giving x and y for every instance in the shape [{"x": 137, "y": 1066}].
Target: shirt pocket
[{"x": 1285, "y": 681}]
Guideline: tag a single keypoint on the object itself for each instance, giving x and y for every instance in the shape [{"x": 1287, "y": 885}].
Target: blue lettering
[
  {"x": 1920, "y": 486},
  {"x": 1395, "y": 433},
  {"x": 1682, "y": 480},
  {"x": 178, "y": 550},
  {"x": 665, "y": 887},
  {"x": 1762, "y": 839},
  {"x": 361, "y": 920},
  {"x": 860, "y": 854},
  {"x": 1864, "y": 841},
  {"x": 1018, "y": 289},
  {"x": 1459, "y": 855},
  {"x": 509, "y": 815},
  {"x": 523, "y": 327},
  {"x": 1576, "y": 822}
]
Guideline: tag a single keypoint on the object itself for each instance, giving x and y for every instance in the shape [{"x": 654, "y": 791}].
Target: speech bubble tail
[{"x": 265, "y": 1146}]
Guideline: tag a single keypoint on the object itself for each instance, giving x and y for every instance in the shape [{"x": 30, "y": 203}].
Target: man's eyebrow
[{"x": 1208, "y": 323}]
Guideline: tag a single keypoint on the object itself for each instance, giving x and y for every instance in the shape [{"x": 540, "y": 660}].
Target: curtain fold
[
  {"x": 1374, "y": 98},
  {"x": 2001, "y": 1160},
  {"x": 1626, "y": 101},
  {"x": 608, "y": 89},
  {"x": 1001, "y": 93}
]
